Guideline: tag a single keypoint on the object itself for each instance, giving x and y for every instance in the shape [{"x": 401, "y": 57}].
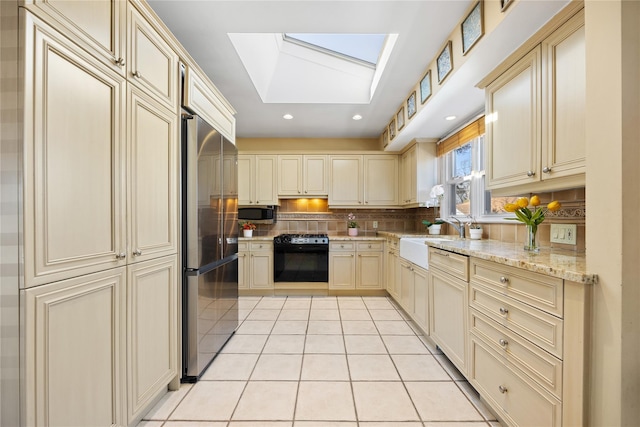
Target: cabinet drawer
[
  {"x": 518, "y": 400},
  {"x": 455, "y": 264},
  {"x": 342, "y": 246},
  {"x": 536, "y": 363},
  {"x": 542, "y": 329},
  {"x": 538, "y": 290},
  {"x": 376, "y": 246},
  {"x": 243, "y": 246},
  {"x": 260, "y": 246},
  {"x": 393, "y": 242}
]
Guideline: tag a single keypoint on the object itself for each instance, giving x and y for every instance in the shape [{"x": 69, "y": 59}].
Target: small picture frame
[
  {"x": 411, "y": 105},
  {"x": 385, "y": 137},
  {"x": 425, "y": 87},
  {"x": 400, "y": 118},
  {"x": 472, "y": 28},
  {"x": 444, "y": 62},
  {"x": 392, "y": 129},
  {"x": 504, "y": 4}
]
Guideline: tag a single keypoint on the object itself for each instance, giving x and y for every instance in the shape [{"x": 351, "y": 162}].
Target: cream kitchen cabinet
[
  {"x": 98, "y": 26},
  {"x": 448, "y": 295},
  {"x": 528, "y": 343},
  {"x": 363, "y": 181},
  {"x": 303, "y": 175},
  {"x": 356, "y": 264},
  {"x": 151, "y": 63},
  {"x": 393, "y": 268},
  {"x": 243, "y": 265},
  {"x": 255, "y": 265},
  {"x": 417, "y": 173},
  {"x": 152, "y": 177},
  {"x": 414, "y": 293},
  {"x": 75, "y": 347},
  {"x": 152, "y": 332},
  {"x": 257, "y": 180},
  {"x": 536, "y": 118},
  {"x": 75, "y": 186}
]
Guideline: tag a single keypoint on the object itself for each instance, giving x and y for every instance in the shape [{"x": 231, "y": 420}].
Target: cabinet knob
[
  {"x": 502, "y": 389},
  {"x": 530, "y": 173},
  {"x": 351, "y": 255},
  {"x": 260, "y": 246},
  {"x": 121, "y": 255},
  {"x": 546, "y": 169},
  {"x": 359, "y": 202},
  {"x": 119, "y": 61},
  {"x": 258, "y": 202},
  {"x": 503, "y": 310},
  {"x": 137, "y": 75},
  {"x": 503, "y": 342},
  {"x": 504, "y": 279},
  {"x": 137, "y": 252},
  {"x": 342, "y": 246},
  {"x": 305, "y": 192}
]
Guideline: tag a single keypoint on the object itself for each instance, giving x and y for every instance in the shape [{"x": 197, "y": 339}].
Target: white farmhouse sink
[{"x": 415, "y": 249}]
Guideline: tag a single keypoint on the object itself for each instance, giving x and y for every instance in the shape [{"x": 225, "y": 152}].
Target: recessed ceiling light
[
  {"x": 357, "y": 117},
  {"x": 287, "y": 117},
  {"x": 450, "y": 118}
]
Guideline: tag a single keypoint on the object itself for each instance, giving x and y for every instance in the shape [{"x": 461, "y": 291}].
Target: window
[{"x": 464, "y": 183}]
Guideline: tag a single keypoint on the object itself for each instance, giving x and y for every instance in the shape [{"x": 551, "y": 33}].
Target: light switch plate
[{"x": 563, "y": 233}]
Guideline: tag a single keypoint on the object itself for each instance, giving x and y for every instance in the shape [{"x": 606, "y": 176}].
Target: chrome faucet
[{"x": 458, "y": 225}]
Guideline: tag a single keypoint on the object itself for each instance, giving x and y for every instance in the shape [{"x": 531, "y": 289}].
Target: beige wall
[
  {"x": 280, "y": 145},
  {"x": 613, "y": 180}
]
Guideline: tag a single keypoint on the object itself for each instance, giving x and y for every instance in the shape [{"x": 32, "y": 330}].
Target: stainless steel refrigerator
[{"x": 210, "y": 244}]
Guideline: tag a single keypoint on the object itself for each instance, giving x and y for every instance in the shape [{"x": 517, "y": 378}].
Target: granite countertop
[
  {"x": 559, "y": 263},
  {"x": 332, "y": 238}
]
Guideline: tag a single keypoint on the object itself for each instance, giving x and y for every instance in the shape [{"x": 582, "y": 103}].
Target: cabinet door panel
[
  {"x": 151, "y": 63},
  {"x": 153, "y": 180},
  {"x": 74, "y": 178},
  {"x": 564, "y": 96},
  {"x": 246, "y": 177},
  {"x": 381, "y": 180},
  {"x": 265, "y": 184},
  {"x": 75, "y": 347},
  {"x": 346, "y": 181},
  {"x": 342, "y": 270},
  {"x": 289, "y": 175},
  {"x": 152, "y": 333},
  {"x": 421, "y": 298},
  {"x": 407, "y": 295},
  {"x": 315, "y": 176},
  {"x": 96, "y": 25},
  {"x": 262, "y": 270},
  {"x": 514, "y": 124},
  {"x": 370, "y": 270}
]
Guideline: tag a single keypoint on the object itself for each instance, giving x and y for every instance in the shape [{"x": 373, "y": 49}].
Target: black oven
[{"x": 301, "y": 258}]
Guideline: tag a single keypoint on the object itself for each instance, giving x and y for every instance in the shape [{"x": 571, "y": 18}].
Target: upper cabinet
[
  {"x": 363, "y": 181},
  {"x": 151, "y": 63},
  {"x": 204, "y": 100},
  {"x": 536, "y": 118},
  {"x": 417, "y": 174},
  {"x": 257, "y": 176},
  {"x": 303, "y": 175},
  {"x": 98, "y": 26}
]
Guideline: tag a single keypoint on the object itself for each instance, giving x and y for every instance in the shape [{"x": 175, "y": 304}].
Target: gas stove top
[{"x": 302, "y": 239}]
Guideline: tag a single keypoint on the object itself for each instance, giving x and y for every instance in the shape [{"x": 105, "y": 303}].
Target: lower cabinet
[
  {"x": 75, "y": 342},
  {"x": 393, "y": 271},
  {"x": 414, "y": 293},
  {"x": 100, "y": 347},
  {"x": 152, "y": 331},
  {"x": 356, "y": 265},
  {"x": 255, "y": 265}
]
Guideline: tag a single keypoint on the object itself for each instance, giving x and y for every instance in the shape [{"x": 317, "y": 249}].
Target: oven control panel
[{"x": 302, "y": 239}]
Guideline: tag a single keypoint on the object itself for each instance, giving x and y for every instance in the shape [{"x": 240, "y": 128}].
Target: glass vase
[{"x": 531, "y": 242}]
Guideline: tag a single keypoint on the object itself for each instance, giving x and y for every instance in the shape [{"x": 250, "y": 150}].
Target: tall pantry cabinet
[{"x": 99, "y": 296}]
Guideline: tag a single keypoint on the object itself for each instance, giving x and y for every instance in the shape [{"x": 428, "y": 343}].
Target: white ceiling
[{"x": 204, "y": 27}]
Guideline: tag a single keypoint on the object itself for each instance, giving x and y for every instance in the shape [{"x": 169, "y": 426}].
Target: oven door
[{"x": 301, "y": 263}]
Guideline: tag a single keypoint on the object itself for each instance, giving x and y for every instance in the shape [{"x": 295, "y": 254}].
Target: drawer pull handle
[
  {"x": 530, "y": 173},
  {"x": 121, "y": 255},
  {"x": 137, "y": 75},
  {"x": 369, "y": 246},
  {"x": 442, "y": 254},
  {"x": 137, "y": 252},
  {"x": 504, "y": 343},
  {"x": 504, "y": 310},
  {"x": 504, "y": 279},
  {"x": 502, "y": 389},
  {"x": 342, "y": 246}
]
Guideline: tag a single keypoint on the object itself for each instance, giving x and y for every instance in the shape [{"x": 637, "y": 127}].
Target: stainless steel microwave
[{"x": 265, "y": 215}]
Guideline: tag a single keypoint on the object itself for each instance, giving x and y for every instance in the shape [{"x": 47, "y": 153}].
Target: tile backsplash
[{"x": 314, "y": 216}]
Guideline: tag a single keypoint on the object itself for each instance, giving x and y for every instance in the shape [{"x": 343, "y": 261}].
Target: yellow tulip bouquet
[{"x": 531, "y": 217}]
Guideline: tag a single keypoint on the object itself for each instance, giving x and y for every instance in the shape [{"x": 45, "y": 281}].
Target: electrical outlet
[
  {"x": 375, "y": 224},
  {"x": 564, "y": 233}
]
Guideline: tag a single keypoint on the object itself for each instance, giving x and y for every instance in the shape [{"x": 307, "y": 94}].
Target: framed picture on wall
[
  {"x": 425, "y": 87},
  {"x": 400, "y": 118},
  {"x": 392, "y": 129},
  {"x": 411, "y": 105},
  {"x": 385, "y": 137},
  {"x": 472, "y": 28},
  {"x": 444, "y": 62}
]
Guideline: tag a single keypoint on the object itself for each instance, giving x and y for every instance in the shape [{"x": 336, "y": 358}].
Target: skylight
[{"x": 364, "y": 47}]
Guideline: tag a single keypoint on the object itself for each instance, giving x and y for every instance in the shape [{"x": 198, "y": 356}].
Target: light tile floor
[{"x": 324, "y": 362}]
